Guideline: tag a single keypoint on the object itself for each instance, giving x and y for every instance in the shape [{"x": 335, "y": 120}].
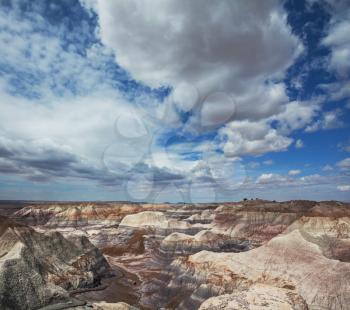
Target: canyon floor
[{"x": 253, "y": 254}]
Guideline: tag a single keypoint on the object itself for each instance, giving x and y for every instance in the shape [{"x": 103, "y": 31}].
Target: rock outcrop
[
  {"x": 160, "y": 222},
  {"x": 37, "y": 269},
  {"x": 204, "y": 217},
  {"x": 182, "y": 244},
  {"x": 256, "y": 297},
  {"x": 254, "y": 224},
  {"x": 80, "y": 215},
  {"x": 288, "y": 261},
  {"x": 249, "y": 255}
]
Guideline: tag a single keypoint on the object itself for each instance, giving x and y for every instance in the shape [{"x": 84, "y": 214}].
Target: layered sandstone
[
  {"x": 80, "y": 215},
  {"x": 37, "y": 269},
  {"x": 257, "y": 297},
  {"x": 181, "y": 244},
  {"x": 287, "y": 261},
  {"x": 158, "y": 220},
  {"x": 249, "y": 255}
]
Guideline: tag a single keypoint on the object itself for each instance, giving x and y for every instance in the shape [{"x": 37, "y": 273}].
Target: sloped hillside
[{"x": 37, "y": 269}]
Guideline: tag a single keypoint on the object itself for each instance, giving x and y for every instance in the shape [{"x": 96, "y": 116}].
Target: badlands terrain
[{"x": 248, "y": 255}]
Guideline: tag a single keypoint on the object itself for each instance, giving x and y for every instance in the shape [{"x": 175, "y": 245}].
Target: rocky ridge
[
  {"x": 37, "y": 269},
  {"x": 245, "y": 255}
]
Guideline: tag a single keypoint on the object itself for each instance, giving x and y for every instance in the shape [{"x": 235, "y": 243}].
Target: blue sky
[{"x": 174, "y": 100}]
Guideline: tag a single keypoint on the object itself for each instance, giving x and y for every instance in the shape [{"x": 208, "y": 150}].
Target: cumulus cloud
[
  {"x": 269, "y": 185},
  {"x": 296, "y": 115},
  {"x": 193, "y": 38},
  {"x": 343, "y": 188},
  {"x": 259, "y": 137},
  {"x": 339, "y": 42},
  {"x": 232, "y": 47},
  {"x": 69, "y": 109},
  {"x": 39, "y": 63},
  {"x": 294, "y": 172},
  {"x": 255, "y": 138},
  {"x": 344, "y": 164},
  {"x": 228, "y": 75},
  {"x": 270, "y": 178},
  {"x": 328, "y": 120},
  {"x": 280, "y": 180}
]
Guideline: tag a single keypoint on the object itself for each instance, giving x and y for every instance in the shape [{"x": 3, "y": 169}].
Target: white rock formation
[
  {"x": 153, "y": 219},
  {"x": 287, "y": 261},
  {"x": 257, "y": 297}
]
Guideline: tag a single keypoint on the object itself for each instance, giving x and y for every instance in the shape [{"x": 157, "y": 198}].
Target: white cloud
[
  {"x": 205, "y": 53},
  {"x": 294, "y": 172},
  {"x": 328, "y": 120},
  {"x": 338, "y": 40},
  {"x": 254, "y": 138},
  {"x": 41, "y": 65},
  {"x": 279, "y": 180},
  {"x": 296, "y": 115},
  {"x": 233, "y": 47},
  {"x": 344, "y": 164},
  {"x": 299, "y": 144},
  {"x": 193, "y": 38},
  {"x": 226, "y": 63},
  {"x": 269, "y": 178},
  {"x": 327, "y": 168},
  {"x": 84, "y": 123},
  {"x": 337, "y": 90},
  {"x": 78, "y": 109},
  {"x": 313, "y": 179},
  {"x": 343, "y": 188}
]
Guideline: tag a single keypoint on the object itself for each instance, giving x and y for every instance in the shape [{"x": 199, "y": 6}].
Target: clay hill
[{"x": 247, "y": 255}]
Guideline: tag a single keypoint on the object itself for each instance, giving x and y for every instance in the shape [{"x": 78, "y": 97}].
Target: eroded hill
[{"x": 248, "y": 255}]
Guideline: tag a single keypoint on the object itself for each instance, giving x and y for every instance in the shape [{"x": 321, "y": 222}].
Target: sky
[{"x": 174, "y": 100}]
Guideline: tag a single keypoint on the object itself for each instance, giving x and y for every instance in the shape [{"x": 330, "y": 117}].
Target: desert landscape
[
  {"x": 252, "y": 254},
  {"x": 175, "y": 154}
]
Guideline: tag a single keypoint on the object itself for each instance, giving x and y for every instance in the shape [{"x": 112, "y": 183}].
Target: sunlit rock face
[
  {"x": 204, "y": 217},
  {"x": 146, "y": 219},
  {"x": 182, "y": 244},
  {"x": 158, "y": 221},
  {"x": 248, "y": 255},
  {"x": 256, "y": 221},
  {"x": 256, "y": 297},
  {"x": 37, "y": 269},
  {"x": 68, "y": 215},
  {"x": 80, "y": 215},
  {"x": 287, "y": 261}
]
